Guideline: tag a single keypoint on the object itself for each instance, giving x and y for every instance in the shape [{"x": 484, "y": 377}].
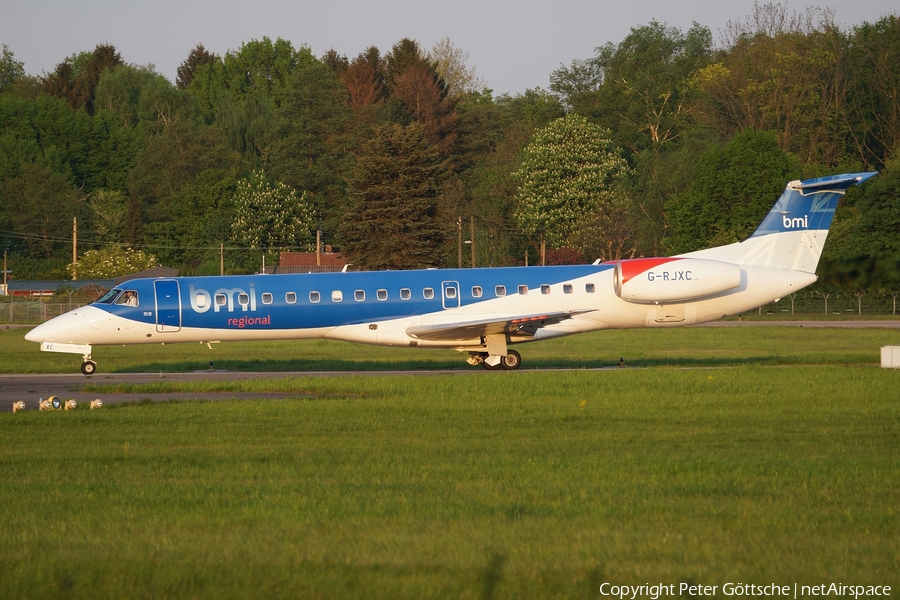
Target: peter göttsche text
[{"x": 661, "y": 590}]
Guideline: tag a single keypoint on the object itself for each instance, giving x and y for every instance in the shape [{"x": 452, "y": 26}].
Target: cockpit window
[
  {"x": 128, "y": 298},
  {"x": 108, "y": 297}
]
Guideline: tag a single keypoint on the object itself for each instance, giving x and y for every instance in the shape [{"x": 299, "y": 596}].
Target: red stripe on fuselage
[{"x": 634, "y": 267}]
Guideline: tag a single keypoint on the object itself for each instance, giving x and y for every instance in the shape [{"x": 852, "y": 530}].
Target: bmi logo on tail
[{"x": 796, "y": 222}]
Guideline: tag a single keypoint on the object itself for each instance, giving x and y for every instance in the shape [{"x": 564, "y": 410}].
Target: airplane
[{"x": 480, "y": 311}]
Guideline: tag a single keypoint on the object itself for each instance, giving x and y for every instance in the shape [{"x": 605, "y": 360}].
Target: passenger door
[{"x": 168, "y": 306}]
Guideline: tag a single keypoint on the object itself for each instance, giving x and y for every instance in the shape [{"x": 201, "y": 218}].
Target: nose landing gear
[{"x": 88, "y": 367}]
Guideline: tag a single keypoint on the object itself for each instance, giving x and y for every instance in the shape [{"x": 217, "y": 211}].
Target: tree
[
  {"x": 76, "y": 78},
  {"x": 425, "y": 97},
  {"x": 568, "y": 179},
  {"x": 874, "y": 90},
  {"x": 270, "y": 215},
  {"x": 38, "y": 205},
  {"x": 198, "y": 57},
  {"x": 391, "y": 221},
  {"x": 364, "y": 78},
  {"x": 11, "y": 70},
  {"x": 869, "y": 219},
  {"x": 165, "y": 165},
  {"x": 199, "y": 220},
  {"x": 640, "y": 88},
  {"x": 240, "y": 92},
  {"x": 108, "y": 213},
  {"x": 783, "y": 73},
  {"x": 308, "y": 138},
  {"x": 111, "y": 262},
  {"x": 732, "y": 188},
  {"x": 450, "y": 64}
]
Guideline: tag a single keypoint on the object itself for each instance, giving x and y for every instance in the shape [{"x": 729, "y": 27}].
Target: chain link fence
[{"x": 15, "y": 311}]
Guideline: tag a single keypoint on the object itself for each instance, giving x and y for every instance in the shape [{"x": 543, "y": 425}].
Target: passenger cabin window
[
  {"x": 200, "y": 300},
  {"x": 589, "y": 288},
  {"x": 381, "y": 294},
  {"x": 221, "y": 299},
  {"x": 428, "y": 293},
  {"x": 500, "y": 290},
  {"x": 314, "y": 297},
  {"x": 545, "y": 289},
  {"x": 337, "y": 296},
  {"x": 359, "y": 295},
  {"x": 476, "y": 291},
  {"x": 128, "y": 298},
  {"x": 405, "y": 294},
  {"x": 243, "y": 299},
  {"x": 567, "y": 288},
  {"x": 450, "y": 292},
  {"x": 523, "y": 289},
  {"x": 267, "y": 298},
  {"x": 290, "y": 297}
]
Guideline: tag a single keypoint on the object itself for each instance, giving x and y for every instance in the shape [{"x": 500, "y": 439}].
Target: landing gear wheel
[
  {"x": 88, "y": 367},
  {"x": 488, "y": 367},
  {"x": 511, "y": 361}
]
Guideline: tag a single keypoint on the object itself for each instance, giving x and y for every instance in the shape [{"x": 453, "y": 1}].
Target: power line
[{"x": 68, "y": 240}]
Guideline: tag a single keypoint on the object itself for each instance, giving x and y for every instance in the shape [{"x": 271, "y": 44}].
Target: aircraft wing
[{"x": 513, "y": 325}]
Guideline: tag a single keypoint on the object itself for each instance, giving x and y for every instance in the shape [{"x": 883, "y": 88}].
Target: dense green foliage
[{"x": 708, "y": 133}]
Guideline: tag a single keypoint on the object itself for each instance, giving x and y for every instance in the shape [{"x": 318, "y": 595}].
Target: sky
[{"x": 514, "y": 45}]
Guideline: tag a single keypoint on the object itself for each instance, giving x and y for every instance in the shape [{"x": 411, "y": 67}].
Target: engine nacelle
[{"x": 660, "y": 280}]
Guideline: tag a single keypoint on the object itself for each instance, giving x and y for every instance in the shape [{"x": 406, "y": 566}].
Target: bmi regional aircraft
[{"x": 482, "y": 312}]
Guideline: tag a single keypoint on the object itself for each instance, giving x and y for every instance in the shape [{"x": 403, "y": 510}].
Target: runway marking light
[
  {"x": 17, "y": 406},
  {"x": 71, "y": 404},
  {"x": 96, "y": 403}
]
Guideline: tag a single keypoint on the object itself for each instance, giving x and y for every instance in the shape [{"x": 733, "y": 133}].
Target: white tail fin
[{"x": 793, "y": 233}]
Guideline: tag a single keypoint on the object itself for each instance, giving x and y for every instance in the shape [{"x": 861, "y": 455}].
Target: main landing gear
[
  {"x": 510, "y": 362},
  {"x": 88, "y": 367}
]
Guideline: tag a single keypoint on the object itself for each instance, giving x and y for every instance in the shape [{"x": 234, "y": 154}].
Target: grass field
[
  {"x": 505, "y": 485},
  {"x": 698, "y": 346}
]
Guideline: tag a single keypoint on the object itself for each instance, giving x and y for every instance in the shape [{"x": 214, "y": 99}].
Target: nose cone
[
  {"x": 73, "y": 327},
  {"x": 35, "y": 334}
]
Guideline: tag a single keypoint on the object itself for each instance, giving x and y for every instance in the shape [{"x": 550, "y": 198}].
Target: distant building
[
  {"x": 50, "y": 286},
  {"x": 42, "y": 288},
  {"x": 148, "y": 274},
  {"x": 306, "y": 262}
]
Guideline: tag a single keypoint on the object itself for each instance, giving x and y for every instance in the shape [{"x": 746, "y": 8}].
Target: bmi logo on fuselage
[{"x": 227, "y": 298}]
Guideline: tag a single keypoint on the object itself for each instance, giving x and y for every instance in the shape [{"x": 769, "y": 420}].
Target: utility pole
[
  {"x": 543, "y": 251},
  {"x": 222, "y": 258},
  {"x": 472, "y": 234},
  {"x": 318, "y": 246},
  {"x": 74, "y": 248},
  {"x": 459, "y": 238}
]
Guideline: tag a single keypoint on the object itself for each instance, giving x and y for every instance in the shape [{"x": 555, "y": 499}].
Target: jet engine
[{"x": 659, "y": 280}]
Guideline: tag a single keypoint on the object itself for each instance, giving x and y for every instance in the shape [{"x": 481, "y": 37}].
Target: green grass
[
  {"x": 506, "y": 485},
  {"x": 673, "y": 347},
  {"x": 510, "y": 485}
]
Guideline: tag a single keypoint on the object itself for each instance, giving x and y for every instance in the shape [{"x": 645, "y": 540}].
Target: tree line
[{"x": 663, "y": 142}]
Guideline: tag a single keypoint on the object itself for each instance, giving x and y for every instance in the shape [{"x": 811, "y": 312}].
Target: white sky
[{"x": 514, "y": 44}]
